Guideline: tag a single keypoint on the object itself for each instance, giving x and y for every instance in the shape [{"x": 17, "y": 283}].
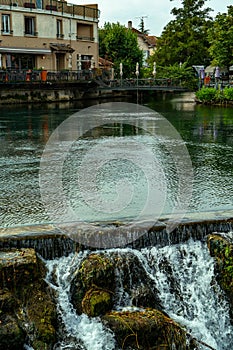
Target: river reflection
[{"x": 25, "y": 130}]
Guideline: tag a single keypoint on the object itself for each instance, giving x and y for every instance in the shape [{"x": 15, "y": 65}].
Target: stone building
[
  {"x": 50, "y": 34},
  {"x": 147, "y": 43}
]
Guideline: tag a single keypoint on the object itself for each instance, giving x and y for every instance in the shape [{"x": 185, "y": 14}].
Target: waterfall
[
  {"x": 183, "y": 276},
  {"x": 76, "y": 330}
]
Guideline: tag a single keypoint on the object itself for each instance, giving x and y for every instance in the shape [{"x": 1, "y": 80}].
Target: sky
[{"x": 156, "y": 13}]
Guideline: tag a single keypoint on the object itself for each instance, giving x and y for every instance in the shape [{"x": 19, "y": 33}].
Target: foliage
[
  {"x": 209, "y": 94},
  {"x": 228, "y": 94},
  {"x": 142, "y": 27},
  {"x": 180, "y": 72},
  {"x": 206, "y": 94},
  {"x": 119, "y": 45},
  {"x": 220, "y": 36},
  {"x": 185, "y": 38}
]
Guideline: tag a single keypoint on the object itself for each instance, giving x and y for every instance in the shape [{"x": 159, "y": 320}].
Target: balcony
[
  {"x": 83, "y": 11},
  {"x": 31, "y": 33},
  {"x": 85, "y": 38},
  {"x": 60, "y": 36},
  {"x": 3, "y": 32}
]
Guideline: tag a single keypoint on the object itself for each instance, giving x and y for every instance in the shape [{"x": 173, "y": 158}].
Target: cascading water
[
  {"x": 77, "y": 332},
  {"x": 184, "y": 277}
]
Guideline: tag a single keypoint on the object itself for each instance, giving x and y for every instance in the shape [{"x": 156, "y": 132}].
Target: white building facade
[{"x": 53, "y": 35}]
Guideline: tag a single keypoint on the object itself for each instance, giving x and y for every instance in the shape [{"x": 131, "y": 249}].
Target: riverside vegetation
[
  {"x": 211, "y": 95},
  {"x": 28, "y": 311}
]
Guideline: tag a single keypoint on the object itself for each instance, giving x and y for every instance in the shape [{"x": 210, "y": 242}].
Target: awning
[
  {"x": 33, "y": 51},
  {"x": 61, "y": 48}
]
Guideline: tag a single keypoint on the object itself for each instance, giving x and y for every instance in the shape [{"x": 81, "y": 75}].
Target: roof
[{"x": 151, "y": 39}]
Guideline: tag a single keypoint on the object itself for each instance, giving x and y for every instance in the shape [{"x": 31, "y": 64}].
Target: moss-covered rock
[
  {"x": 26, "y": 307},
  {"x": 97, "y": 302},
  {"x": 146, "y": 329},
  {"x": 96, "y": 271},
  {"x": 222, "y": 250},
  {"x": 12, "y": 335},
  {"x": 18, "y": 269}
]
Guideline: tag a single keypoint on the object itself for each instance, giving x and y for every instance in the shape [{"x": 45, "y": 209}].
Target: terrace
[{"x": 89, "y": 11}]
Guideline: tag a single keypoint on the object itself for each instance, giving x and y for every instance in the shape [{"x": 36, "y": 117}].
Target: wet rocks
[
  {"x": 146, "y": 329},
  {"x": 27, "y": 312},
  {"x": 93, "y": 286},
  {"x": 221, "y": 249}
]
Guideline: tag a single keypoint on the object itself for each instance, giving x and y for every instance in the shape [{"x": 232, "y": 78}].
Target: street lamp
[
  {"x": 154, "y": 69},
  {"x": 121, "y": 71},
  {"x": 137, "y": 71}
]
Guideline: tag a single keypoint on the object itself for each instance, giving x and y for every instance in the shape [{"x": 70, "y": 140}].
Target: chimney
[{"x": 129, "y": 24}]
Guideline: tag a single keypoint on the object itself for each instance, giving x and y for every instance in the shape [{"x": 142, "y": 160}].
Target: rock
[
  {"x": 104, "y": 272},
  {"x": 26, "y": 306},
  {"x": 18, "y": 269},
  {"x": 96, "y": 271},
  {"x": 97, "y": 302},
  {"x": 135, "y": 281},
  {"x": 146, "y": 329},
  {"x": 222, "y": 250},
  {"x": 11, "y": 334}
]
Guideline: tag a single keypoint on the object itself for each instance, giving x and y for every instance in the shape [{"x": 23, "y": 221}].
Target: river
[
  {"x": 206, "y": 131},
  {"x": 101, "y": 161}
]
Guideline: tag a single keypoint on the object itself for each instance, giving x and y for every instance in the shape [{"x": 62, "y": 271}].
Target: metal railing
[
  {"x": 54, "y": 6},
  {"x": 146, "y": 83},
  {"x": 33, "y": 76}
]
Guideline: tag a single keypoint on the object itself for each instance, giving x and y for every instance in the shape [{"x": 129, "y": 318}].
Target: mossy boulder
[
  {"x": 96, "y": 271},
  {"x": 222, "y": 250},
  {"x": 146, "y": 329},
  {"x": 97, "y": 302},
  {"x": 112, "y": 274},
  {"x": 27, "y": 311},
  {"x": 12, "y": 336},
  {"x": 18, "y": 270}
]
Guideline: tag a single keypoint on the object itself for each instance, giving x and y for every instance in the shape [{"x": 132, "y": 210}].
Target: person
[
  {"x": 207, "y": 80},
  {"x": 202, "y": 76}
]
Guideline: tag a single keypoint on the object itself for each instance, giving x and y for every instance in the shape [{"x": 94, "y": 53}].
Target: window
[
  {"x": 30, "y": 26},
  {"x": 59, "y": 29},
  {"x": 6, "y": 24},
  {"x": 85, "y": 32}
]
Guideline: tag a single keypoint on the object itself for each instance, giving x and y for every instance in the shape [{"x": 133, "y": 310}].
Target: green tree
[
  {"x": 184, "y": 39},
  {"x": 119, "y": 45},
  {"x": 142, "y": 26},
  {"x": 220, "y": 36}
]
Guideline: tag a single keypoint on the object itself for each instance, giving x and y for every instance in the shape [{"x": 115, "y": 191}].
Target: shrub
[
  {"x": 206, "y": 94},
  {"x": 228, "y": 93}
]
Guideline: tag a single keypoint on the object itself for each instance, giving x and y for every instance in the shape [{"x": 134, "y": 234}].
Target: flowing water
[
  {"x": 24, "y": 131},
  {"x": 182, "y": 273},
  {"x": 184, "y": 276}
]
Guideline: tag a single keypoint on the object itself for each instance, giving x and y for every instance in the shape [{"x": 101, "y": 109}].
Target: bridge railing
[{"x": 149, "y": 82}]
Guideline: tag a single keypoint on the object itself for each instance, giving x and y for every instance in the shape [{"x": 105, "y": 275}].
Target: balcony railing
[
  {"x": 60, "y": 36},
  {"x": 54, "y": 5},
  {"x": 9, "y": 32},
  {"x": 85, "y": 38},
  {"x": 31, "y": 33}
]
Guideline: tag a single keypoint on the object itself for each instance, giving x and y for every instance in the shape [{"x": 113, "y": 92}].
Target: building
[
  {"x": 147, "y": 43},
  {"x": 50, "y": 34}
]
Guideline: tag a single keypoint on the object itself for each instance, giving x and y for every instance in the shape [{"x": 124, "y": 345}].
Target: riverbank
[{"x": 45, "y": 92}]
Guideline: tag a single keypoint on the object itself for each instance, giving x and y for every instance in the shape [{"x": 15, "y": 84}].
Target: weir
[{"x": 51, "y": 242}]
